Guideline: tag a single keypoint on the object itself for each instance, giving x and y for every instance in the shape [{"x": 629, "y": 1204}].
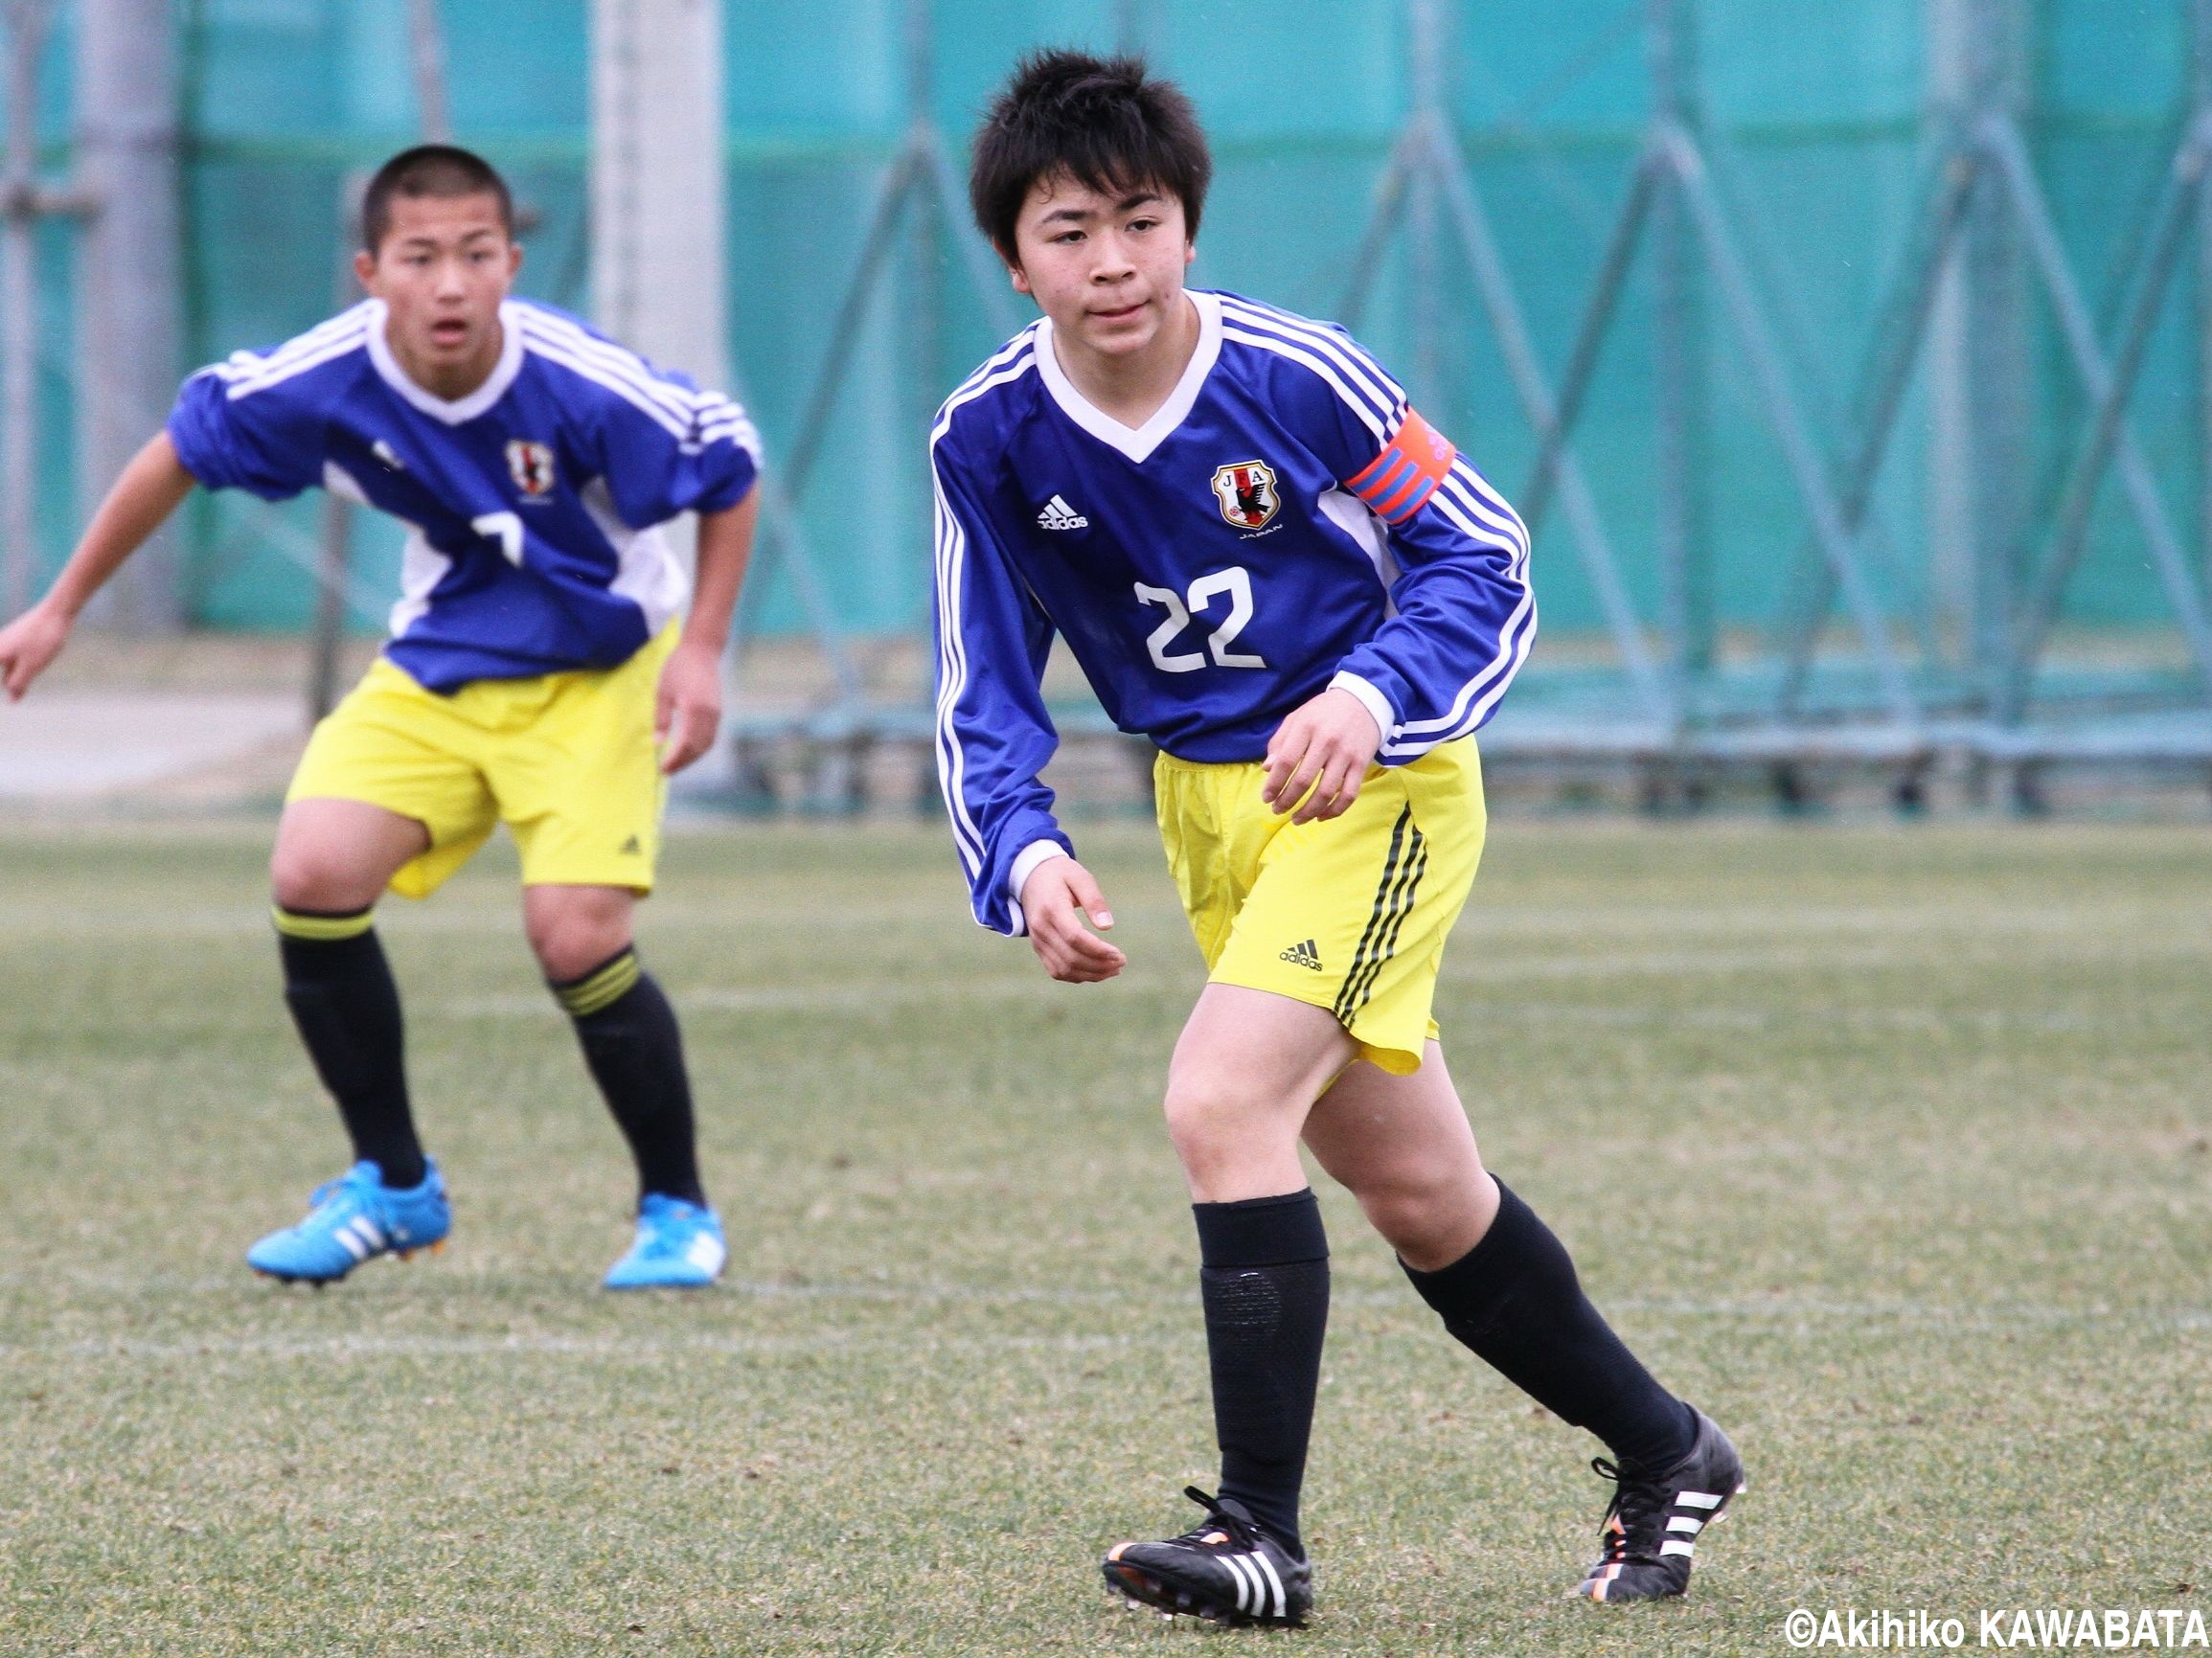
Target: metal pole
[
  {"x": 852, "y": 316},
  {"x": 657, "y": 199},
  {"x": 1381, "y": 220},
  {"x": 924, "y": 303},
  {"x": 1949, "y": 526},
  {"x": 921, "y": 168},
  {"x": 332, "y": 570},
  {"x": 426, "y": 53},
  {"x": 929, "y": 169},
  {"x": 1519, "y": 349},
  {"x": 2138, "y": 481},
  {"x": 335, "y": 569},
  {"x": 1898, "y": 335},
  {"x": 1426, "y": 159},
  {"x": 616, "y": 163},
  {"x": 130, "y": 328},
  {"x": 1998, "y": 377},
  {"x": 1425, "y": 41},
  {"x": 2200, "y": 98},
  {"x": 2070, "y": 522},
  {"x": 1590, "y": 336},
  {"x": 1678, "y": 344},
  {"x": 1130, "y": 31},
  {"x": 27, "y": 21},
  {"x": 1799, "y": 452},
  {"x": 984, "y": 273},
  {"x": 275, "y": 533},
  {"x": 921, "y": 165},
  {"x": 919, "y": 63}
]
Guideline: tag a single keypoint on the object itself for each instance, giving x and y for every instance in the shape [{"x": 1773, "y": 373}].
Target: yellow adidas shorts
[
  {"x": 1349, "y": 915},
  {"x": 566, "y": 761}
]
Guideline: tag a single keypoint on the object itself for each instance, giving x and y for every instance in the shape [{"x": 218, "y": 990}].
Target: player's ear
[
  {"x": 365, "y": 268},
  {"x": 514, "y": 258},
  {"x": 1015, "y": 274}
]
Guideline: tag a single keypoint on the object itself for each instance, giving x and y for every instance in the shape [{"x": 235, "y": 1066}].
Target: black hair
[
  {"x": 444, "y": 170},
  {"x": 1104, "y": 122}
]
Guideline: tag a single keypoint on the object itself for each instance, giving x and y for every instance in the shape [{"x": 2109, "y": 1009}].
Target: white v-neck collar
[
  {"x": 1136, "y": 442},
  {"x": 468, "y": 408}
]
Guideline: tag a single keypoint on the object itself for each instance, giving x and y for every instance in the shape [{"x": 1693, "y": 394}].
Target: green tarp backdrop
[{"x": 1817, "y": 109}]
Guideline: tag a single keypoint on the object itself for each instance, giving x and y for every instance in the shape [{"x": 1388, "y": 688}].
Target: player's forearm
[
  {"x": 1458, "y": 639},
  {"x": 146, "y": 493},
  {"x": 725, "y": 549}
]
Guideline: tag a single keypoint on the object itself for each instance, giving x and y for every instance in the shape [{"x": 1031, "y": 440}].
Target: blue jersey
[
  {"x": 1285, "y": 523},
  {"x": 533, "y": 505}
]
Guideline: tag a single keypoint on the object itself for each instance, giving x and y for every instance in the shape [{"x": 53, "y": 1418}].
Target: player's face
[
  {"x": 442, "y": 268},
  {"x": 1107, "y": 266}
]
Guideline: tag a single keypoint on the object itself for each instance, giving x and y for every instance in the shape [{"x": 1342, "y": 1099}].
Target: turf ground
[{"x": 1887, "y": 1146}]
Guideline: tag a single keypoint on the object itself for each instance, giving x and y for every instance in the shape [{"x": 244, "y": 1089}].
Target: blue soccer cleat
[
  {"x": 679, "y": 1246},
  {"x": 354, "y": 1218}
]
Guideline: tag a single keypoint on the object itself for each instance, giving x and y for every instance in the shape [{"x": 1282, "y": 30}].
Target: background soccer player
[
  {"x": 536, "y": 672},
  {"x": 1268, "y": 563}
]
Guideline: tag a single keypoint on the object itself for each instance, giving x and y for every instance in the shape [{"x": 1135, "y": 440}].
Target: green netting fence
[{"x": 1816, "y": 111}]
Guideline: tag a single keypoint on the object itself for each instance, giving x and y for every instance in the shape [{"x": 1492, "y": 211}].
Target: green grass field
[{"x": 1888, "y": 1146}]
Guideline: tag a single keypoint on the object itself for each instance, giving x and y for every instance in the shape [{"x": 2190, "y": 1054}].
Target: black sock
[
  {"x": 1514, "y": 1299},
  {"x": 341, "y": 990},
  {"x": 1264, "y": 1283},
  {"x": 637, "y": 1055}
]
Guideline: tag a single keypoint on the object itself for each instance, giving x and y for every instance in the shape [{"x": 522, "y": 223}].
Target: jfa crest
[
  {"x": 532, "y": 465},
  {"x": 1246, "y": 493}
]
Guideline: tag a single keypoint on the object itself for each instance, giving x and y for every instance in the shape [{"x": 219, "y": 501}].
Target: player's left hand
[
  {"x": 29, "y": 644},
  {"x": 1320, "y": 756},
  {"x": 689, "y": 708}
]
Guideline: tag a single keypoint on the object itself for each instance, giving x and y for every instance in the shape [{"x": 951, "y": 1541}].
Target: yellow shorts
[
  {"x": 1349, "y": 915},
  {"x": 566, "y": 761}
]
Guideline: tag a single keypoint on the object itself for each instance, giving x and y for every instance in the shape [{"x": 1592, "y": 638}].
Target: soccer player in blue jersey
[
  {"x": 541, "y": 672},
  {"x": 1268, "y": 563}
]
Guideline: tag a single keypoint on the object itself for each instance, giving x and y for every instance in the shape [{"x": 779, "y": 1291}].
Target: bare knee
[
  {"x": 337, "y": 856},
  {"x": 1201, "y": 1114},
  {"x": 1232, "y": 1142},
  {"x": 573, "y": 929},
  {"x": 1406, "y": 1213},
  {"x": 321, "y": 880},
  {"x": 1431, "y": 1222}
]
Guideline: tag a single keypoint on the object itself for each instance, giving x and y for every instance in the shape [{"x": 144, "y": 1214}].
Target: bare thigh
[
  {"x": 337, "y": 856},
  {"x": 1403, "y": 1146}
]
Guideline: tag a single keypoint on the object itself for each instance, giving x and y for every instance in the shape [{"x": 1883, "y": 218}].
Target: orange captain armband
[{"x": 1397, "y": 483}]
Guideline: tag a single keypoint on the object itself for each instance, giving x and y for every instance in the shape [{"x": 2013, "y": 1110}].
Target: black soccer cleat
[
  {"x": 1650, "y": 1534},
  {"x": 1226, "y": 1568}
]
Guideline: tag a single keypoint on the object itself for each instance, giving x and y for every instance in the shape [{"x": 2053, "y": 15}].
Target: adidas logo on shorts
[
  {"x": 1057, "y": 515},
  {"x": 1303, "y": 955}
]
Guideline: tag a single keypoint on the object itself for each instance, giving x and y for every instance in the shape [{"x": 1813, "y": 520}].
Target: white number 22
[{"x": 1236, "y": 582}]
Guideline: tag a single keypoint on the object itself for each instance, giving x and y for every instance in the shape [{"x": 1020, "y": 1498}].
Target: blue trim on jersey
[
  {"x": 1210, "y": 573},
  {"x": 533, "y": 505}
]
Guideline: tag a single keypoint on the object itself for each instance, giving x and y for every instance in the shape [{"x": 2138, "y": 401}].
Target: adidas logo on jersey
[
  {"x": 1057, "y": 515},
  {"x": 1303, "y": 955}
]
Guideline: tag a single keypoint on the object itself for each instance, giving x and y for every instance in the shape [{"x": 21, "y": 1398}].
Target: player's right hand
[
  {"x": 1059, "y": 894},
  {"x": 29, "y": 644}
]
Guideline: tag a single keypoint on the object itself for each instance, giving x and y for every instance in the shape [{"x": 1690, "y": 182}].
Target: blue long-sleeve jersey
[
  {"x": 1285, "y": 523},
  {"x": 533, "y": 505}
]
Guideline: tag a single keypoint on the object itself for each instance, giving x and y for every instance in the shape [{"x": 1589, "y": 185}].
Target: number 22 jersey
[{"x": 1285, "y": 523}]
